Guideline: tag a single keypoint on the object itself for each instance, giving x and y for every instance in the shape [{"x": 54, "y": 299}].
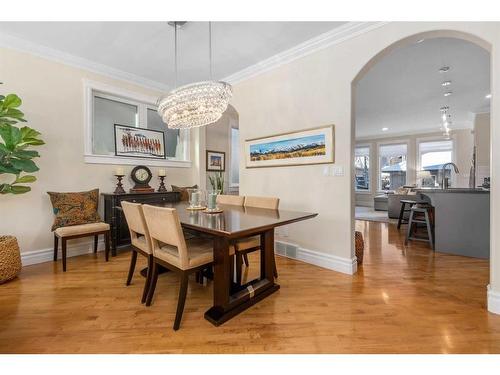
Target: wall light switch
[
  {"x": 337, "y": 170},
  {"x": 326, "y": 170}
]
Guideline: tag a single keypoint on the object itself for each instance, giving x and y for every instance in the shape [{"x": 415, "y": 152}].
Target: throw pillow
[
  {"x": 184, "y": 196},
  {"x": 75, "y": 208}
]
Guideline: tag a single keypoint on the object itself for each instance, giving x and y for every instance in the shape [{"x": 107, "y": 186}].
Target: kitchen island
[{"x": 462, "y": 220}]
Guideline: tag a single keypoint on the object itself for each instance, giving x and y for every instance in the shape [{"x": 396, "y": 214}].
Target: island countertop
[{"x": 453, "y": 190}]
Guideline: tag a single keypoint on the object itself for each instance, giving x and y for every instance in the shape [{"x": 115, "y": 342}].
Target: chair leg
[
  {"x": 245, "y": 259},
  {"x": 152, "y": 284},
  {"x": 410, "y": 225},
  {"x": 401, "y": 214},
  {"x": 106, "y": 246},
  {"x": 56, "y": 247},
  {"x": 181, "y": 301},
  {"x": 239, "y": 266},
  {"x": 131, "y": 269},
  {"x": 429, "y": 229},
  {"x": 64, "y": 254},
  {"x": 148, "y": 278},
  {"x": 96, "y": 239}
]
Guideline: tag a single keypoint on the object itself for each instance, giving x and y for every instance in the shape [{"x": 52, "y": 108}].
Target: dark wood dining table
[{"x": 232, "y": 223}]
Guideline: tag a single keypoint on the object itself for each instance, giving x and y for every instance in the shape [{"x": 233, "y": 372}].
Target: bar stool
[
  {"x": 404, "y": 202},
  {"x": 421, "y": 214}
]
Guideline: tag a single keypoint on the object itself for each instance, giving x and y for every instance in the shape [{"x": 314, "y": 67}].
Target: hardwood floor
[{"x": 402, "y": 300}]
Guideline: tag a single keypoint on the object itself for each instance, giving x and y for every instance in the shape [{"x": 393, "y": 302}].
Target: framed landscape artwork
[
  {"x": 139, "y": 142},
  {"x": 312, "y": 146},
  {"x": 216, "y": 161}
]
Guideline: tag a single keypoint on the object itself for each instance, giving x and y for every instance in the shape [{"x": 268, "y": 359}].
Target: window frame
[
  {"x": 418, "y": 163},
  {"x": 379, "y": 156},
  {"x": 143, "y": 103},
  {"x": 370, "y": 169}
]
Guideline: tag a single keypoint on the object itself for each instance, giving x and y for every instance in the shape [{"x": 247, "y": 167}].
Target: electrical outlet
[{"x": 338, "y": 170}]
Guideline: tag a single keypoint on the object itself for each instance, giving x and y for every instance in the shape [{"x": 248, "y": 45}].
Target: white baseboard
[
  {"x": 493, "y": 301},
  {"x": 46, "y": 255},
  {"x": 331, "y": 262}
]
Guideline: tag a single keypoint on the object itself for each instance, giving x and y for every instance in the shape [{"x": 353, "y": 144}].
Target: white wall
[
  {"x": 316, "y": 90},
  {"x": 52, "y": 95},
  {"x": 482, "y": 138},
  {"x": 462, "y": 140}
]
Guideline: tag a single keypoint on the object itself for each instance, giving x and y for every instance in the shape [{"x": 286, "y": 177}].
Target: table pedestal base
[{"x": 218, "y": 316}]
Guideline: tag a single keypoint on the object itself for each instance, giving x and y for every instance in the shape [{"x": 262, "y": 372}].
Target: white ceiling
[
  {"x": 145, "y": 49},
  {"x": 403, "y": 91}
]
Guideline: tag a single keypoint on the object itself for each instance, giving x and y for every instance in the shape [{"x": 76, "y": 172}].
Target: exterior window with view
[
  {"x": 362, "y": 166},
  {"x": 432, "y": 156},
  {"x": 392, "y": 166}
]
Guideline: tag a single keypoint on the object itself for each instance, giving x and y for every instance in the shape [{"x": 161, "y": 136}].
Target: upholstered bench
[{"x": 78, "y": 231}]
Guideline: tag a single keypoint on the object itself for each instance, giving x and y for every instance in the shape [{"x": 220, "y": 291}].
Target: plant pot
[{"x": 10, "y": 258}]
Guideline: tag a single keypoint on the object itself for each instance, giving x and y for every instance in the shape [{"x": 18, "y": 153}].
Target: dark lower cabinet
[{"x": 113, "y": 215}]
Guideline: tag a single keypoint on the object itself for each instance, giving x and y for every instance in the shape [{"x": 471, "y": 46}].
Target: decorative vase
[{"x": 10, "y": 258}]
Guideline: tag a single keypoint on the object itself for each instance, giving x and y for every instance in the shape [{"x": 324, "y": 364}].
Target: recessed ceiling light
[
  {"x": 385, "y": 129},
  {"x": 446, "y": 83},
  {"x": 488, "y": 96},
  {"x": 420, "y": 40},
  {"x": 448, "y": 93},
  {"x": 444, "y": 69}
]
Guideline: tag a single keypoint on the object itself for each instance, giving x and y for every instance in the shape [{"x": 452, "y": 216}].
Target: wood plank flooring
[{"x": 402, "y": 300}]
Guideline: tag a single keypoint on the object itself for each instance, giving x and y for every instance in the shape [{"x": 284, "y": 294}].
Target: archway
[{"x": 381, "y": 55}]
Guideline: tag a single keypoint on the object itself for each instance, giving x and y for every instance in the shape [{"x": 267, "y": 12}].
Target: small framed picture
[
  {"x": 216, "y": 161},
  {"x": 139, "y": 142}
]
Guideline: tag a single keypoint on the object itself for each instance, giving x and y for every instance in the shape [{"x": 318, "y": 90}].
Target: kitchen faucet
[{"x": 444, "y": 181}]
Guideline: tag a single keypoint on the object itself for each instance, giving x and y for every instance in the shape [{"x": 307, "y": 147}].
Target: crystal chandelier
[{"x": 196, "y": 104}]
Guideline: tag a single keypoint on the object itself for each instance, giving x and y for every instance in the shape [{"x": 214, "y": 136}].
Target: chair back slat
[
  {"x": 262, "y": 202},
  {"x": 164, "y": 227},
  {"x": 235, "y": 200},
  {"x": 136, "y": 221}
]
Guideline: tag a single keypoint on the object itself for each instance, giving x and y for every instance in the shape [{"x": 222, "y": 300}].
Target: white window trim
[
  {"x": 387, "y": 143},
  {"x": 370, "y": 170},
  {"x": 89, "y": 87}
]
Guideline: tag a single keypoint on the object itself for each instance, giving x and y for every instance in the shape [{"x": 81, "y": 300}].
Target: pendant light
[{"x": 196, "y": 104}]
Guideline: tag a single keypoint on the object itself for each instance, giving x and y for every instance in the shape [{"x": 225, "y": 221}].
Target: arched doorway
[{"x": 379, "y": 57}]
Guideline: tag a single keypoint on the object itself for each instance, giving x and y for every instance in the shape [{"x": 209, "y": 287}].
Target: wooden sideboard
[{"x": 113, "y": 215}]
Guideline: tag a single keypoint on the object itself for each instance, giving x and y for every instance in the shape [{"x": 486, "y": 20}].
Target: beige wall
[
  {"x": 52, "y": 96},
  {"x": 218, "y": 138},
  {"x": 463, "y": 142},
  {"x": 316, "y": 90}
]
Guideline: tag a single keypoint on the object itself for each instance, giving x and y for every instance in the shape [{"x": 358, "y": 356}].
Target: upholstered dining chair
[
  {"x": 247, "y": 245},
  {"x": 235, "y": 200},
  {"x": 140, "y": 241},
  {"x": 174, "y": 252}
]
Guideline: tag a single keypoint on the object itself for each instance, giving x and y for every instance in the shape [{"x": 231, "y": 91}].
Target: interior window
[{"x": 432, "y": 156}]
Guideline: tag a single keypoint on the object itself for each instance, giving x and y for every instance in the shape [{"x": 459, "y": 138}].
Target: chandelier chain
[{"x": 210, "y": 48}]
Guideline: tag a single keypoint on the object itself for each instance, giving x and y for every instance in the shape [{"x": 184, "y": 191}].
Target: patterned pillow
[
  {"x": 184, "y": 196},
  {"x": 75, "y": 208}
]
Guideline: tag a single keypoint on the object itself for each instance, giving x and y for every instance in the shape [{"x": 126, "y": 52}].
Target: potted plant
[
  {"x": 15, "y": 162},
  {"x": 217, "y": 181}
]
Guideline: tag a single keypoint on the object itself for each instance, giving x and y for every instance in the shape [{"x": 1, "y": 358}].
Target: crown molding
[
  {"x": 19, "y": 44},
  {"x": 335, "y": 36}
]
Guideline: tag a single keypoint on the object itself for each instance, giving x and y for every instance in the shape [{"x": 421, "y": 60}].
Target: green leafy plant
[
  {"x": 217, "y": 181},
  {"x": 15, "y": 158}
]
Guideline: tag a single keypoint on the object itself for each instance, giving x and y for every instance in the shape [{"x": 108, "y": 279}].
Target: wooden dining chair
[
  {"x": 234, "y": 200},
  {"x": 140, "y": 241},
  {"x": 244, "y": 246},
  {"x": 174, "y": 252}
]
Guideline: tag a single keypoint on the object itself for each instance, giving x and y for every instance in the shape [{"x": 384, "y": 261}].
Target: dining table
[{"x": 233, "y": 223}]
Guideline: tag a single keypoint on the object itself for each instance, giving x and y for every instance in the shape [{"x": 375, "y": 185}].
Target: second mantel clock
[{"x": 141, "y": 175}]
